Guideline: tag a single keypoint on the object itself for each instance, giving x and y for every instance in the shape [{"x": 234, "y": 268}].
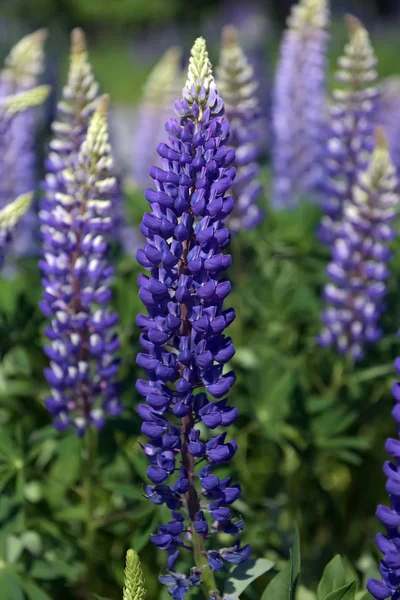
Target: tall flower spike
[
  {"x": 161, "y": 90},
  {"x": 299, "y": 119},
  {"x": 358, "y": 271},
  {"x": 389, "y": 545},
  {"x": 238, "y": 88},
  {"x": 9, "y": 217},
  {"x": 135, "y": 586},
  {"x": 23, "y": 68},
  {"x": 76, "y": 277},
  {"x": 351, "y": 126},
  {"x": 388, "y": 115},
  {"x": 184, "y": 347}
]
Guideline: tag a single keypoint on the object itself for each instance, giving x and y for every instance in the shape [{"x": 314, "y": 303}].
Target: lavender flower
[
  {"x": 9, "y": 217},
  {"x": 351, "y": 126},
  {"x": 23, "y": 67},
  {"x": 299, "y": 104},
  {"x": 184, "y": 348},
  {"x": 358, "y": 271},
  {"x": 161, "y": 89},
  {"x": 76, "y": 219},
  {"x": 388, "y": 115},
  {"x": 238, "y": 88}
]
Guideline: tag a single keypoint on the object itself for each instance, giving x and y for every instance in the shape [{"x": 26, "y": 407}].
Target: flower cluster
[
  {"x": 184, "y": 346},
  {"x": 299, "y": 105},
  {"x": 388, "y": 115},
  {"x": 238, "y": 87},
  {"x": 134, "y": 582},
  {"x": 358, "y": 271},
  {"x": 76, "y": 218},
  {"x": 23, "y": 67},
  {"x": 161, "y": 89},
  {"x": 351, "y": 127}
]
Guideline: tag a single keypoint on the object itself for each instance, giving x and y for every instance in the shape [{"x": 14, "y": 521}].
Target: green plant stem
[
  {"x": 208, "y": 584},
  {"x": 90, "y": 453}
]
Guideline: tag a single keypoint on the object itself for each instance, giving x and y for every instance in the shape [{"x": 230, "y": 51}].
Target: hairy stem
[{"x": 90, "y": 453}]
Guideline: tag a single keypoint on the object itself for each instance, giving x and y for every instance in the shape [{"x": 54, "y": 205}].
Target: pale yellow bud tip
[
  {"x": 229, "y": 36},
  {"x": 353, "y": 25},
  {"x": 78, "y": 41},
  {"x": 102, "y": 107},
  {"x": 381, "y": 138}
]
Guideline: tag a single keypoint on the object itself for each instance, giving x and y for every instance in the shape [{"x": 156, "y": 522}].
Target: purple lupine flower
[
  {"x": 184, "y": 348},
  {"x": 238, "y": 88},
  {"x": 77, "y": 218},
  {"x": 299, "y": 111},
  {"x": 358, "y": 270},
  {"x": 388, "y": 115},
  {"x": 160, "y": 91},
  {"x": 351, "y": 127},
  {"x": 23, "y": 67}
]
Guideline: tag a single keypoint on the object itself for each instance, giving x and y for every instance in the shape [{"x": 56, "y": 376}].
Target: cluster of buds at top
[
  {"x": 358, "y": 270},
  {"x": 351, "y": 127},
  {"x": 77, "y": 219},
  {"x": 162, "y": 88},
  {"x": 184, "y": 347},
  {"x": 238, "y": 88},
  {"x": 299, "y": 119}
]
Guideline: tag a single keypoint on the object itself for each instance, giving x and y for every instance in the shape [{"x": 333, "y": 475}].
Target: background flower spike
[
  {"x": 299, "y": 108},
  {"x": 77, "y": 222},
  {"x": 162, "y": 88},
  {"x": 360, "y": 254},
  {"x": 238, "y": 87}
]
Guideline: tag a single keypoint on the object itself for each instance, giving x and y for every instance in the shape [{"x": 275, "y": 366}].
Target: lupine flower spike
[
  {"x": 238, "y": 88},
  {"x": 184, "y": 347},
  {"x": 135, "y": 586},
  {"x": 351, "y": 126},
  {"x": 161, "y": 90},
  {"x": 359, "y": 271},
  {"x": 299, "y": 119},
  {"x": 23, "y": 67},
  {"x": 388, "y": 115},
  {"x": 76, "y": 223},
  {"x": 9, "y": 217}
]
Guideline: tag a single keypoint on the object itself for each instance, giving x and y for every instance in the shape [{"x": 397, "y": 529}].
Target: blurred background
[{"x": 312, "y": 426}]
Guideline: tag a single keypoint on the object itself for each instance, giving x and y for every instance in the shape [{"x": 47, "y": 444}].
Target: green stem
[
  {"x": 208, "y": 584},
  {"x": 90, "y": 453}
]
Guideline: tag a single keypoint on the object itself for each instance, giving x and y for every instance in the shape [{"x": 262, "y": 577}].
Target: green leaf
[
  {"x": 34, "y": 592},
  {"x": 336, "y": 575},
  {"x": 283, "y": 585},
  {"x": 10, "y": 585},
  {"x": 14, "y": 548},
  {"x": 243, "y": 575},
  {"x": 347, "y": 592}
]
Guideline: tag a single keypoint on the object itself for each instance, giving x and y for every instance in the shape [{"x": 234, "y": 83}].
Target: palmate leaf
[
  {"x": 243, "y": 575},
  {"x": 283, "y": 586},
  {"x": 338, "y": 581}
]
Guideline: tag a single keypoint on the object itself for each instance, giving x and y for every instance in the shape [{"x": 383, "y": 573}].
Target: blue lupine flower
[
  {"x": 359, "y": 271},
  {"x": 184, "y": 347},
  {"x": 353, "y": 114},
  {"x": 77, "y": 219},
  {"x": 238, "y": 88},
  {"x": 299, "y": 119}
]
